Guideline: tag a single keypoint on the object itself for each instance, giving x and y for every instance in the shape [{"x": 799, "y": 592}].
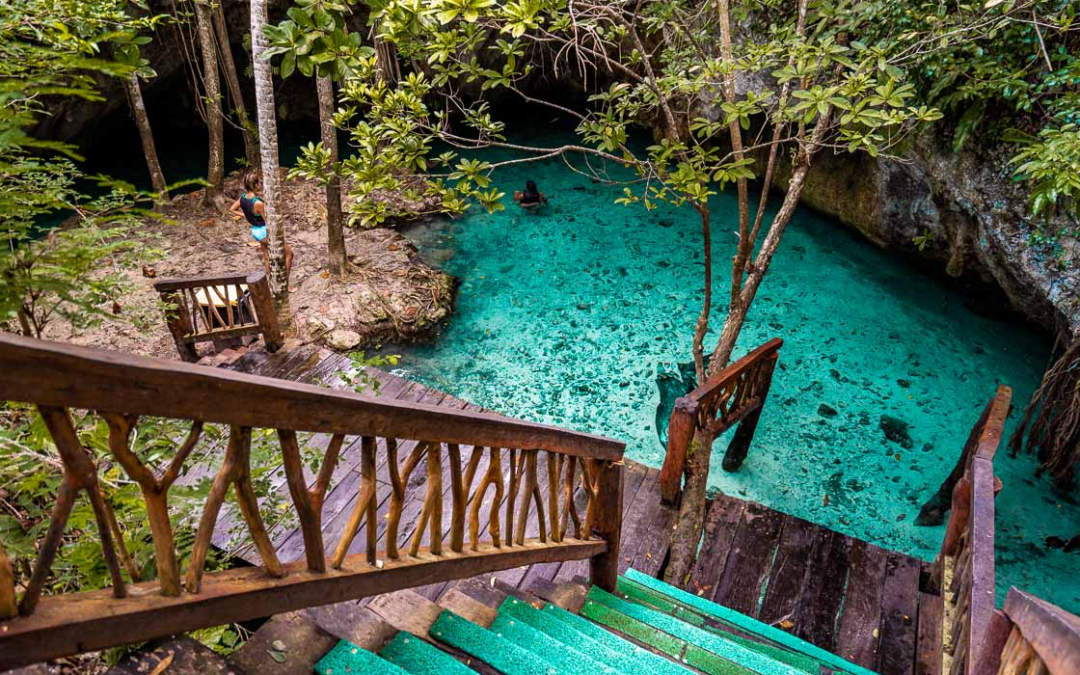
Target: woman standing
[{"x": 251, "y": 206}]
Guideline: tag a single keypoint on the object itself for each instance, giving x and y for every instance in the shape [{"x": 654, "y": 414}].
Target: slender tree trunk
[
  {"x": 335, "y": 218},
  {"x": 688, "y": 528},
  {"x": 215, "y": 174},
  {"x": 702, "y": 327},
  {"x": 268, "y": 153},
  {"x": 232, "y": 80},
  {"x": 142, "y": 121},
  {"x": 386, "y": 64}
]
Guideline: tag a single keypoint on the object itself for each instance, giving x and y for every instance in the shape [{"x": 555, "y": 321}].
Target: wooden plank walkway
[{"x": 845, "y": 595}]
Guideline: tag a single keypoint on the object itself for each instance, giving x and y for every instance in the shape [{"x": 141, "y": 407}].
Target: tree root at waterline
[{"x": 1050, "y": 427}]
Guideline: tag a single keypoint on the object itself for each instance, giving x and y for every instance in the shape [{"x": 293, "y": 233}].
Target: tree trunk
[
  {"x": 138, "y": 109},
  {"x": 335, "y": 218},
  {"x": 268, "y": 153},
  {"x": 386, "y": 65},
  {"x": 688, "y": 528},
  {"x": 232, "y": 80},
  {"x": 702, "y": 327},
  {"x": 215, "y": 174},
  {"x": 691, "y": 523}
]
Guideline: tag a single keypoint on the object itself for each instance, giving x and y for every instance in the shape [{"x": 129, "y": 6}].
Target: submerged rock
[
  {"x": 896, "y": 431},
  {"x": 826, "y": 410}
]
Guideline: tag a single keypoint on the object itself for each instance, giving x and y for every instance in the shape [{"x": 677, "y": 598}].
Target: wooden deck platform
[{"x": 845, "y": 595}]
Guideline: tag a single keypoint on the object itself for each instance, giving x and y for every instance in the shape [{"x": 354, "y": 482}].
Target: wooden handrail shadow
[
  {"x": 463, "y": 451},
  {"x": 734, "y": 396},
  {"x": 217, "y": 309}
]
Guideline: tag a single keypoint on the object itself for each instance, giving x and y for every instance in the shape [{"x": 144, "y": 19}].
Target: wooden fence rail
[
  {"x": 734, "y": 396},
  {"x": 965, "y": 565},
  {"x": 219, "y": 309},
  {"x": 1043, "y": 639},
  {"x": 453, "y": 445}
]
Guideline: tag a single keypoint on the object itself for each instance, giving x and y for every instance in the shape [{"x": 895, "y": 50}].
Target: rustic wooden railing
[
  {"x": 219, "y": 309},
  {"x": 121, "y": 388},
  {"x": 1043, "y": 639},
  {"x": 965, "y": 565},
  {"x": 735, "y": 395}
]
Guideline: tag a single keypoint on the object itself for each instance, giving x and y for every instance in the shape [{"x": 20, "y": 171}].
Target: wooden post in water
[{"x": 744, "y": 434}]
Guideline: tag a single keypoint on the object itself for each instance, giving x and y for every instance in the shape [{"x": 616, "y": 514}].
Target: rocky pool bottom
[{"x": 568, "y": 316}]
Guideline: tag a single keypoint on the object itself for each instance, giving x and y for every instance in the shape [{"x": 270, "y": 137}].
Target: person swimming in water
[
  {"x": 251, "y": 207},
  {"x": 530, "y": 199}
]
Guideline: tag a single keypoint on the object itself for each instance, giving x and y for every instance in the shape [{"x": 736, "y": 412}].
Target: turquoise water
[{"x": 564, "y": 317}]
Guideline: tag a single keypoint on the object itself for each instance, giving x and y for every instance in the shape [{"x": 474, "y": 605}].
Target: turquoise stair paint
[
  {"x": 346, "y": 658},
  {"x": 565, "y": 659},
  {"x": 499, "y": 653},
  {"x": 744, "y": 623},
  {"x": 599, "y": 644},
  {"x": 674, "y": 647},
  {"x": 416, "y": 656},
  {"x": 661, "y": 602},
  {"x": 716, "y": 644}
]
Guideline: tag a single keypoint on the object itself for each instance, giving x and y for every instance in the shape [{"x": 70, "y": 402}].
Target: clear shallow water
[{"x": 565, "y": 316}]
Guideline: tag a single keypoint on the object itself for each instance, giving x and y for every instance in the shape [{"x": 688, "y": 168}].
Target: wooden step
[
  {"x": 286, "y": 644},
  {"x": 175, "y": 656}
]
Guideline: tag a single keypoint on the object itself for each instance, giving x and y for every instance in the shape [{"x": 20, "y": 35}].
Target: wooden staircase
[{"x": 645, "y": 626}]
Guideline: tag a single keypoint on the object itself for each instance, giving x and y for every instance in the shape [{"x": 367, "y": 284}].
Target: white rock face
[{"x": 344, "y": 340}]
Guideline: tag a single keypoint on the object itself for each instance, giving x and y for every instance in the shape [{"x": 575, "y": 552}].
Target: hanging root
[{"x": 1050, "y": 427}]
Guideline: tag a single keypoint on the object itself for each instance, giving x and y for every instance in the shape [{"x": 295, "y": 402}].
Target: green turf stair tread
[
  {"x": 744, "y": 623},
  {"x": 599, "y": 601},
  {"x": 674, "y": 647},
  {"x": 481, "y": 643},
  {"x": 661, "y": 602},
  {"x": 346, "y": 658},
  {"x": 601, "y": 645},
  {"x": 416, "y": 656},
  {"x": 565, "y": 658}
]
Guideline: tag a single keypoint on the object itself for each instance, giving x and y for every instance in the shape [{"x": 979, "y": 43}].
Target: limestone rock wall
[{"x": 973, "y": 215}]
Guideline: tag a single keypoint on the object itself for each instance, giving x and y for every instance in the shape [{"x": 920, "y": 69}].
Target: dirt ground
[{"x": 391, "y": 295}]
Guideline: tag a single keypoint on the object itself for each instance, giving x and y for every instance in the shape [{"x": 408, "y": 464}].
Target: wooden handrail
[
  {"x": 966, "y": 561},
  {"x": 250, "y": 310},
  {"x": 465, "y": 454},
  {"x": 180, "y": 283},
  {"x": 735, "y": 395},
  {"x": 61, "y": 374},
  {"x": 1044, "y": 638}
]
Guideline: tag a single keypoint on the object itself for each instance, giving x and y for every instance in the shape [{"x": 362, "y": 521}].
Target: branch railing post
[
  {"x": 8, "y": 605},
  {"x": 179, "y": 323},
  {"x": 607, "y": 524},
  {"x": 264, "y": 310},
  {"x": 744, "y": 433},
  {"x": 734, "y": 396}
]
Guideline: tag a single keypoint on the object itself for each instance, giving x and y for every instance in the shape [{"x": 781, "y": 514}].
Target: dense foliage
[{"x": 1012, "y": 83}]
